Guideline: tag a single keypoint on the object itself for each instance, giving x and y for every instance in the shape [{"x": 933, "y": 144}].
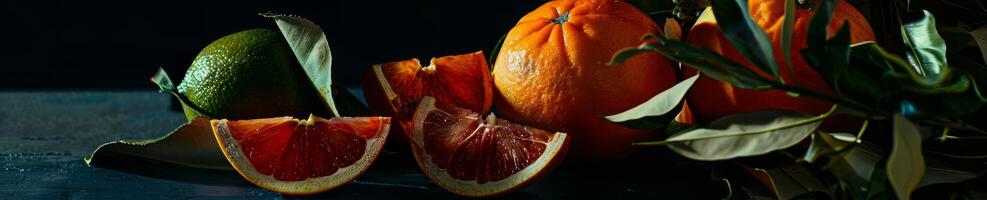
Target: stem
[
  {"x": 863, "y": 128},
  {"x": 798, "y": 123},
  {"x": 835, "y": 100}
]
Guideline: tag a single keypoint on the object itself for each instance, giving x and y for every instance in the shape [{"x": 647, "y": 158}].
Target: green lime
[{"x": 250, "y": 74}]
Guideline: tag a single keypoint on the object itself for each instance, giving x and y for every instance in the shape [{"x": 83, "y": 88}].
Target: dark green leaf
[
  {"x": 191, "y": 145},
  {"x": 855, "y": 166},
  {"x": 657, "y": 111},
  {"x": 833, "y": 58},
  {"x": 864, "y": 79},
  {"x": 818, "y": 25},
  {"x": 950, "y": 96},
  {"x": 976, "y": 71},
  {"x": 747, "y": 37},
  {"x": 927, "y": 50}
]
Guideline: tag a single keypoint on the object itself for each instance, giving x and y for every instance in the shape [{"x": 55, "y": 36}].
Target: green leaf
[
  {"x": 818, "y": 25},
  {"x": 309, "y": 44},
  {"x": 710, "y": 63},
  {"x": 786, "y": 36},
  {"x": 191, "y": 145},
  {"x": 166, "y": 85},
  {"x": 855, "y": 166},
  {"x": 747, "y": 37},
  {"x": 927, "y": 50},
  {"x": 793, "y": 182},
  {"x": 827, "y": 143},
  {"x": 657, "y": 111},
  {"x": 980, "y": 35},
  {"x": 744, "y": 134},
  {"x": 833, "y": 58},
  {"x": 862, "y": 80},
  {"x": 905, "y": 166},
  {"x": 950, "y": 96}
]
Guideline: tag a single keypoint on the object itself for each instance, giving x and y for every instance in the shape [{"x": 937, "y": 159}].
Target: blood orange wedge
[
  {"x": 293, "y": 156},
  {"x": 394, "y": 88},
  {"x": 473, "y": 156}
]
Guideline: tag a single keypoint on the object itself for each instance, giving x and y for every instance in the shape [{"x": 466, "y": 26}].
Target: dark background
[{"x": 118, "y": 45}]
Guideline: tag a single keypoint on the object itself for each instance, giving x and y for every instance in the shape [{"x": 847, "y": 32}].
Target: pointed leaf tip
[
  {"x": 648, "y": 114},
  {"x": 191, "y": 145},
  {"x": 311, "y": 48},
  {"x": 745, "y": 134}
]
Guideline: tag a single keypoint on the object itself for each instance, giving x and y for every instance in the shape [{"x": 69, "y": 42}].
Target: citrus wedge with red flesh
[
  {"x": 293, "y": 156},
  {"x": 469, "y": 155},
  {"x": 394, "y": 88}
]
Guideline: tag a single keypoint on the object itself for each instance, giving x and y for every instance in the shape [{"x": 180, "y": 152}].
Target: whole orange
[
  {"x": 710, "y": 99},
  {"x": 551, "y": 73}
]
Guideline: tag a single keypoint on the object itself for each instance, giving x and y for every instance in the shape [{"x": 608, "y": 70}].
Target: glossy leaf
[
  {"x": 927, "y": 50},
  {"x": 744, "y": 134},
  {"x": 191, "y": 145},
  {"x": 657, "y": 111},
  {"x": 747, "y": 37},
  {"x": 905, "y": 166},
  {"x": 312, "y": 51}
]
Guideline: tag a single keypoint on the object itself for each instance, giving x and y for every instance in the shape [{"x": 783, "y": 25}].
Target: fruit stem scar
[{"x": 560, "y": 19}]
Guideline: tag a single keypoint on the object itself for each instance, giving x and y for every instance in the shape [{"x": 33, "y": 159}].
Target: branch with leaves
[{"x": 920, "y": 93}]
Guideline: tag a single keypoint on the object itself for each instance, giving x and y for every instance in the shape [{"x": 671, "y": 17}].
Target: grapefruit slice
[
  {"x": 477, "y": 157},
  {"x": 394, "y": 88},
  {"x": 298, "y": 157}
]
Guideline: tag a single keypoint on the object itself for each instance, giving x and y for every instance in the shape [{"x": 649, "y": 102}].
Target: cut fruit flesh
[
  {"x": 293, "y": 156},
  {"x": 471, "y": 156},
  {"x": 394, "y": 88}
]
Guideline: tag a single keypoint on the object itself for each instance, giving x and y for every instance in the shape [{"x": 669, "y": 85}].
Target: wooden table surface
[{"x": 45, "y": 134}]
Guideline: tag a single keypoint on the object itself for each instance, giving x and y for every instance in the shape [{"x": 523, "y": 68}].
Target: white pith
[
  {"x": 384, "y": 84},
  {"x": 232, "y": 151}
]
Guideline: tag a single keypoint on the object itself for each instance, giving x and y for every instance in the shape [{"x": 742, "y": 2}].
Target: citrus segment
[
  {"x": 293, "y": 156},
  {"x": 473, "y": 156},
  {"x": 394, "y": 88}
]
